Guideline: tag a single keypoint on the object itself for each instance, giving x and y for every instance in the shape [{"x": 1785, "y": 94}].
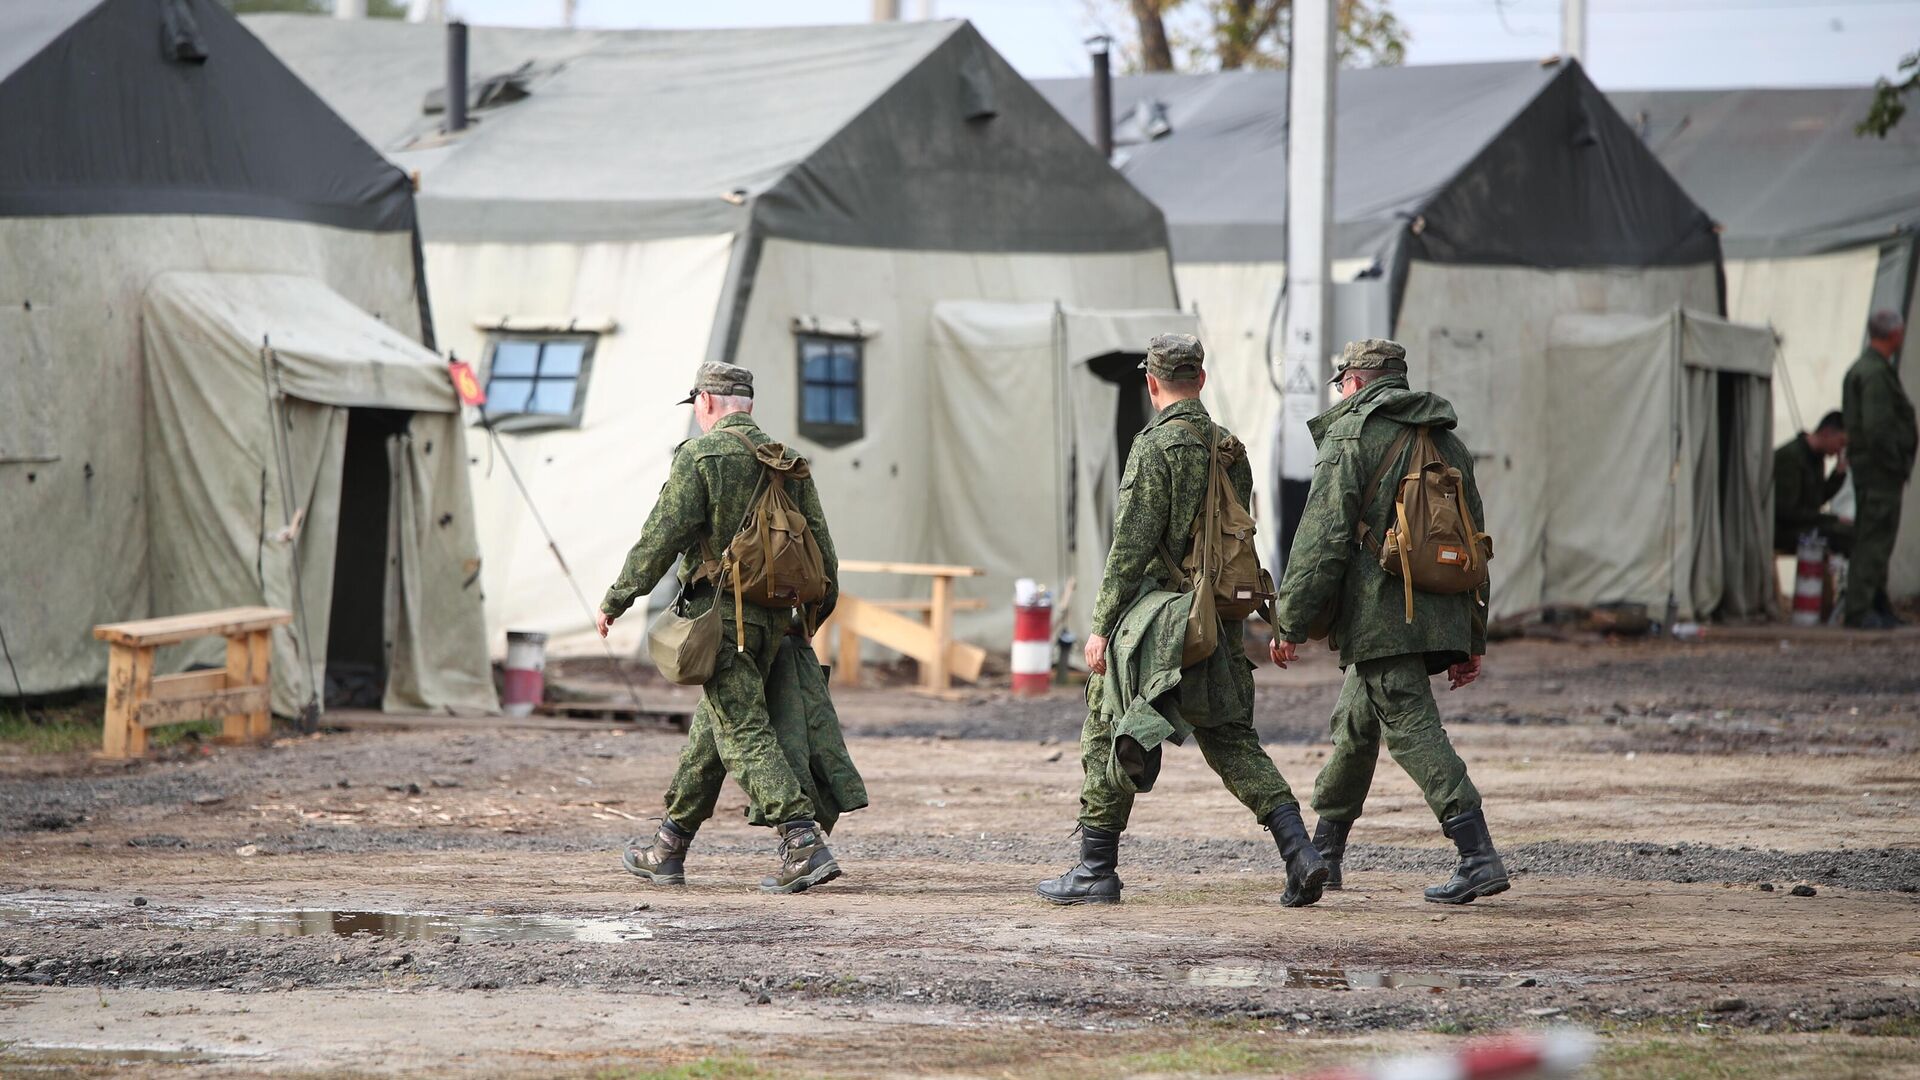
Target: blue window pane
[
  {"x": 508, "y": 395},
  {"x": 816, "y": 364},
  {"x": 817, "y": 406},
  {"x": 846, "y": 405},
  {"x": 511, "y": 357},
  {"x": 562, "y": 358},
  {"x": 553, "y": 397},
  {"x": 846, "y": 366}
]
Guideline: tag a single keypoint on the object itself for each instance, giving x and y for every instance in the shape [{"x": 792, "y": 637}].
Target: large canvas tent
[
  {"x": 211, "y": 314},
  {"x": 794, "y": 200},
  {"x": 1473, "y": 204},
  {"x": 1820, "y": 227}
]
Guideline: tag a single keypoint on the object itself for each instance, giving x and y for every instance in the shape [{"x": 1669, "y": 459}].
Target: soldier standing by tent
[
  {"x": 1802, "y": 486},
  {"x": 1389, "y": 652},
  {"x": 1880, "y": 448},
  {"x": 1161, "y": 494},
  {"x": 708, "y": 494}
]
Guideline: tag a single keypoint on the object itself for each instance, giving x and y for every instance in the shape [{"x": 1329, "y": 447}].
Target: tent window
[
  {"x": 832, "y": 398},
  {"x": 537, "y": 380}
]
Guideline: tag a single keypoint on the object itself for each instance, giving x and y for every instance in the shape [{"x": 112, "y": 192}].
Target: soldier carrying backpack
[
  {"x": 1390, "y": 566},
  {"x": 1181, "y": 536}
]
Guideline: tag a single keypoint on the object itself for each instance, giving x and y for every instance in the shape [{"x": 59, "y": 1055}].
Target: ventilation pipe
[
  {"x": 1097, "y": 47},
  {"x": 456, "y": 76}
]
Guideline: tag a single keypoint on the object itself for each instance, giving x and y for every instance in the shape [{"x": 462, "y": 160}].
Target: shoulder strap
[
  {"x": 1362, "y": 532},
  {"x": 745, "y": 439},
  {"x": 1207, "y": 508}
]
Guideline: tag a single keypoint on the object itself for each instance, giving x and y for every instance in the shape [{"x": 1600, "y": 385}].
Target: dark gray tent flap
[{"x": 78, "y": 141}]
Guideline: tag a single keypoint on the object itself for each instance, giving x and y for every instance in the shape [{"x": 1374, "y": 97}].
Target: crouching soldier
[
  {"x": 1391, "y": 638},
  {"x": 714, "y": 483},
  {"x": 1143, "y": 689}
]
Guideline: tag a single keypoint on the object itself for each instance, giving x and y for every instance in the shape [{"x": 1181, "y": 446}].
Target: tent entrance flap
[
  {"x": 356, "y": 656},
  {"x": 1134, "y": 408}
]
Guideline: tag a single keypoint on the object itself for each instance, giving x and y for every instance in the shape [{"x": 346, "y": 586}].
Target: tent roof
[
  {"x": 1404, "y": 137},
  {"x": 1782, "y": 169},
  {"x": 807, "y": 131},
  {"x": 102, "y": 120}
]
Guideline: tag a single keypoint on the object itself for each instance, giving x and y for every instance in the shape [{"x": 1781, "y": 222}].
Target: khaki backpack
[
  {"x": 773, "y": 560},
  {"x": 1220, "y": 555},
  {"x": 1431, "y": 543}
]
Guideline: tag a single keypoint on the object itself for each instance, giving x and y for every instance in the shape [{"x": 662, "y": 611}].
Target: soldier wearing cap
[
  {"x": 708, "y": 492},
  {"x": 1161, "y": 493},
  {"x": 1388, "y": 658}
]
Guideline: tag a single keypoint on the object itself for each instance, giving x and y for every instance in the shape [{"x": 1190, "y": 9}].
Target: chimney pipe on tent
[
  {"x": 1097, "y": 47},
  {"x": 1573, "y": 29},
  {"x": 456, "y": 76}
]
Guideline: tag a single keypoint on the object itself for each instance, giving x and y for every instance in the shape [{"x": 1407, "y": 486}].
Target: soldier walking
[
  {"x": 1161, "y": 493},
  {"x": 707, "y": 495},
  {"x": 1388, "y": 653},
  {"x": 1880, "y": 448}
]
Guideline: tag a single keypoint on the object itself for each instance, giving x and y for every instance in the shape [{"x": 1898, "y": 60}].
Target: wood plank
[
  {"x": 933, "y": 674},
  {"x": 170, "y": 629},
  {"x": 239, "y": 673},
  {"x": 846, "y": 666},
  {"x": 923, "y": 606},
  {"x": 245, "y": 699},
  {"x": 117, "y": 727},
  {"x": 260, "y": 674},
  {"x": 868, "y": 566},
  {"x": 904, "y": 635},
  {"x": 188, "y": 684}
]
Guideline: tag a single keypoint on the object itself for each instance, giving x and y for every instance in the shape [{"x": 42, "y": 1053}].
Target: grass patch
[
  {"x": 73, "y": 726},
  {"x": 1722, "y": 1058},
  {"x": 707, "y": 1068},
  {"x": 1213, "y": 1059}
]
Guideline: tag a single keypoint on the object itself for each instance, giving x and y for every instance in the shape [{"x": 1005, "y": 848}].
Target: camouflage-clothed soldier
[
  {"x": 706, "y": 498},
  {"x": 1880, "y": 449},
  {"x": 1388, "y": 659},
  {"x": 1161, "y": 493}
]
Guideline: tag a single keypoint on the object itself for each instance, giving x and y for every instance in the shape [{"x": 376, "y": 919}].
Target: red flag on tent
[{"x": 466, "y": 383}]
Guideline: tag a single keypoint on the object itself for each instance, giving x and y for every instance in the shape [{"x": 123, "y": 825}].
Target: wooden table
[
  {"x": 930, "y": 643},
  {"x": 240, "y": 695}
]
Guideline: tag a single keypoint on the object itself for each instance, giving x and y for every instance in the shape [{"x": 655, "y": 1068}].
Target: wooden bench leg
[
  {"x": 940, "y": 620},
  {"x": 233, "y": 727},
  {"x": 847, "y": 667},
  {"x": 129, "y": 681},
  {"x": 260, "y": 673}
]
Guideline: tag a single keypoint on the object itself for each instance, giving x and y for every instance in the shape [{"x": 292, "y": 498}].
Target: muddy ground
[{"x": 1664, "y": 808}]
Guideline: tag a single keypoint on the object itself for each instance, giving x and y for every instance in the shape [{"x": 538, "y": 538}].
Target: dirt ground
[{"x": 451, "y": 902}]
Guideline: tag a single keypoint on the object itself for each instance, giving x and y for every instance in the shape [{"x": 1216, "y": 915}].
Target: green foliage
[
  {"x": 1887, "y": 107},
  {"x": 707, "y": 1068},
  {"x": 75, "y": 727},
  {"x": 1226, "y": 35}
]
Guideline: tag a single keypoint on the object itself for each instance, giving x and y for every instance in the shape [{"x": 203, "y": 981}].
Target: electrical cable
[{"x": 22, "y": 694}]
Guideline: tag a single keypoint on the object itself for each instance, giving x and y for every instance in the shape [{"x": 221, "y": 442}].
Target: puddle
[
  {"x": 392, "y": 925},
  {"x": 1294, "y": 978}
]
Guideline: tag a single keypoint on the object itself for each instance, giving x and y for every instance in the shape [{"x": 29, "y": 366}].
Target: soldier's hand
[
  {"x": 1096, "y": 654},
  {"x": 1282, "y": 653},
  {"x": 1459, "y": 675},
  {"x": 601, "y": 621}
]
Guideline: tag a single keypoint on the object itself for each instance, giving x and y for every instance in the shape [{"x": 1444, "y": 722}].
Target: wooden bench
[
  {"x": 240, "y": 695},
  {"x": 929, "y": 642}
]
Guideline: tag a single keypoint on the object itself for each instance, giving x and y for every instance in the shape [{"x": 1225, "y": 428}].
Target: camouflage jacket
[
  {"x": 1880, "y": 425},
  {"x": 1160, "y": 494},
  {"x": 706, "y": 497},
  {"x": 1327, "y": 565}
]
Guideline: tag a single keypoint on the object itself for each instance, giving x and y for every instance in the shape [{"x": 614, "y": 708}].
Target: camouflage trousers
[
  {"x": 1231, "y": 748},
  {"x": 732, "y": 732},
  {"x": 1876, "y": 524},
  {"x": 1390, "y": 697}
]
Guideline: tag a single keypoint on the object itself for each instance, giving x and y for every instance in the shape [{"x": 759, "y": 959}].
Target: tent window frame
[
  {"x": 580, "y": 377},
  {"x": 830, "y": 431}
]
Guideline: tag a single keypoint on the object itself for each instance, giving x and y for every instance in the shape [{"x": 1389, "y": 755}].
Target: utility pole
[
  {"x": 1573, "y": 30},
  {"x": 568, "y": 12},
  {"x": 1307, "y": 355},
  {"x": 349, "y": 9},
  {"x": 886, "y": 11}
]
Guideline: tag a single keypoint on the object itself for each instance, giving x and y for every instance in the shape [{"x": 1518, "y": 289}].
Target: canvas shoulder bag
[{"x": 1222, "y": 567}]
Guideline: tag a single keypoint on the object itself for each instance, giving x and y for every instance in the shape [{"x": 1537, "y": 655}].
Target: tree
[
  {"x": 1887, "y": 108},
  {"x": 1225, "y": 35},
  {"x": 376, "y": 9}
]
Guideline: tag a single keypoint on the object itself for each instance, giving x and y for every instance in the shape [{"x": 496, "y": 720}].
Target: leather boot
[
  {"x": 804, "y": 860},
  {"x": 664, "y": 862},
  {"x": 1093, "y": 881},
  {"x": 1330, "y": 840},
  {"x": 1306, "y": 870},
  {"x": 1480, "y": 873}
]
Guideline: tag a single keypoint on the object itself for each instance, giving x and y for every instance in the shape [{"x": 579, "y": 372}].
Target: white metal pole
[
  {"x": 1573, "y": 30},
  {"x": 349, "y": 9},
  {"x": 886, "y": 11},
  {"x": 1307, "y": 354},
  {"x": 568, "y": 12}
]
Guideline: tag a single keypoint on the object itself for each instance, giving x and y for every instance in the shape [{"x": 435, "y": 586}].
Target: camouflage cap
[
  {"x": 1371, "y": 354},
  {"x": 723, "y": 379},
  {"x": 1174, "y": 356}
]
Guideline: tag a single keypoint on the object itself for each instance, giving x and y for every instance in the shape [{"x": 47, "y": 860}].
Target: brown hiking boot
[
  {"x": 664, "y": 862},
  {"x": 804, "y": 860}
]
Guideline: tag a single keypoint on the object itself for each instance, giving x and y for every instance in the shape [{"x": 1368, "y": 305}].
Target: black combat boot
[
  {"x": 1330, "y": 840},
  {"x": 1306, "y": 870},
  {"x": 804, "y": 860},
  {"x": 1480, "y": 873},
  {"x": 664, "y": 862},
  {"x": 1093, "y": 881}
]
